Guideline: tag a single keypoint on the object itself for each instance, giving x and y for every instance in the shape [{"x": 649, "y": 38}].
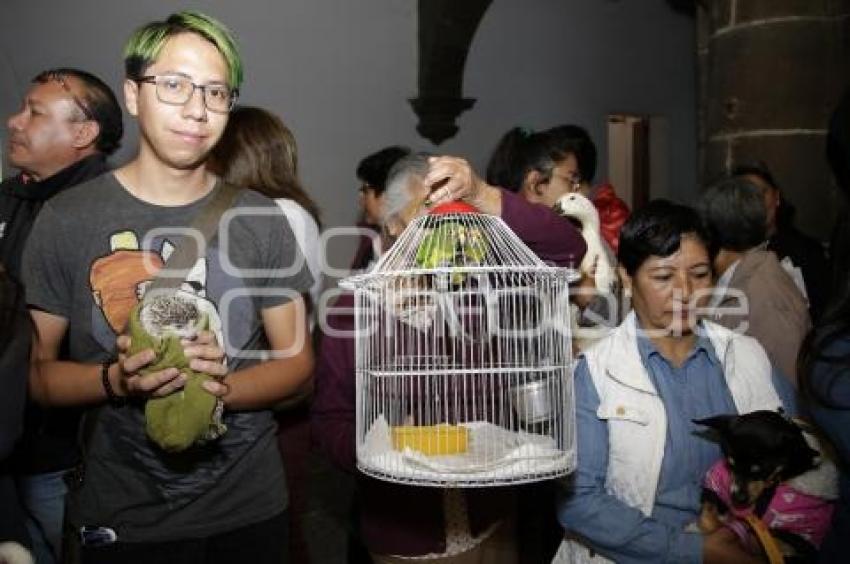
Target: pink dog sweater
[{"x": 791, "y": 510}]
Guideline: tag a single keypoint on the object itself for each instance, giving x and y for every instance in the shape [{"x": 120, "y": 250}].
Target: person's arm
[
  {"x": 265, "y": 384},
  {"x": 65, "y": 383},
  {"x": 552, "y": 237},
  {"x": 611, "y": 527},
  {"x": 47, "y": 278},
  {"x": 452, "y": 178},
  {"x": 59, "y": 383},
  {"x": 285, "y": 322}
]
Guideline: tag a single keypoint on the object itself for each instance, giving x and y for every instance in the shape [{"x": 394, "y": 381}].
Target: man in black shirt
[{"x": 68, "y": 123}]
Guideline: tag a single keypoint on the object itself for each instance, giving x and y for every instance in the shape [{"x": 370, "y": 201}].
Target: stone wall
[{"x": 770, "y": 74}]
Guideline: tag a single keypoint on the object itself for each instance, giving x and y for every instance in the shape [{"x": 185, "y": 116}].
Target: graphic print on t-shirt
[{"x": 119, "y": 280}]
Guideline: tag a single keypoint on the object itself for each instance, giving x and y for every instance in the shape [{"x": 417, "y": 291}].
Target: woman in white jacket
[{"x": 640, "y": 458}]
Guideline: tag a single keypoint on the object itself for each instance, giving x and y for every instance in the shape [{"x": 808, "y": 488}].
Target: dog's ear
[
  {"x": 802, "y": 456},
  {"x": 808, "y": 430},
  {"x": 812, "y": 457},
  {"x": 720, "y": 423},
  {"x": 817, "y": 457}
]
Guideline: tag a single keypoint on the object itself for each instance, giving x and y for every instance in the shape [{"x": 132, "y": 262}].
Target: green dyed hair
[{"x": 146, "y": 43}]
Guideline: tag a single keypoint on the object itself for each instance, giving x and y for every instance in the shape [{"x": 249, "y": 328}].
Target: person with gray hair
[
  {"x": 753, "y": 294},
  {"x": 400, "y": 186},
  {"x": 390, "y": 530}
]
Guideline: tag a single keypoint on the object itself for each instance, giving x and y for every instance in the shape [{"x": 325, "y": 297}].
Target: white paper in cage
[{"x": 493, "y": 453}]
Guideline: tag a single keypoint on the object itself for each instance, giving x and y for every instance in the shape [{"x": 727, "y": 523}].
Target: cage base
[{"x": 465, "y": 481}]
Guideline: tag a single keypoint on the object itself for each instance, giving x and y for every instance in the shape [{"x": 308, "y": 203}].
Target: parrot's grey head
[{"x": 166, "y": 315}]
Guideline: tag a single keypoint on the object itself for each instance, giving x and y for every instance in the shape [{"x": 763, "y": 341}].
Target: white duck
[
  {"x": 597, "y": 263},
  {"x": 582, "y": 210}
]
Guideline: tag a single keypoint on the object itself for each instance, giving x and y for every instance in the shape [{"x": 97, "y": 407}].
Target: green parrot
[
  {"x": 179, "y": 420},
  {"x": 452, "y": 244}
]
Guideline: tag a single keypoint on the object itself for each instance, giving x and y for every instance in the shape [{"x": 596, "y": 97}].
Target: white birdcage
[{"x": 463, "y": 357}]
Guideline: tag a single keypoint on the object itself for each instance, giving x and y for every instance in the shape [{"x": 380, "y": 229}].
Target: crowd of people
[{"x": 723, "y": 307}]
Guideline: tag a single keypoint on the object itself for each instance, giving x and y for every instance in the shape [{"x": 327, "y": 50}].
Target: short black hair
[
  {"x": 519, "y": 151},
  {"x": 100, "y": 104},
  {"x": 575, "y": 140},
  {"x": 734, "y": 212},
  {"x": 758, "y": 169},
  {"x": 656, "y": 229},
  {"x": 373, "y": 169}
]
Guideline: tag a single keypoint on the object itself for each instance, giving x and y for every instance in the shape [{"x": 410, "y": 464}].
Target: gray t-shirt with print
[{"x": 89, "y": 259}]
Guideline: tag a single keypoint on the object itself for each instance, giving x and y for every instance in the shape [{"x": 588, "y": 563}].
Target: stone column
[
  {"x": 446, "y": 30},
  {"x": 771, "y": 72}
]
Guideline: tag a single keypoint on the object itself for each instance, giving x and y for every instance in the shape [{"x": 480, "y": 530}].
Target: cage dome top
[{"x": 456, "y": 239}]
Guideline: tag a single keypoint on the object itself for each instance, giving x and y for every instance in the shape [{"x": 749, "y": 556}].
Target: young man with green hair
[{"x": 221, "y": 500}]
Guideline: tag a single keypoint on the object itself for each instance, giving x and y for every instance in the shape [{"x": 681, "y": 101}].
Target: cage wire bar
[{"x": 463, "y": 358}]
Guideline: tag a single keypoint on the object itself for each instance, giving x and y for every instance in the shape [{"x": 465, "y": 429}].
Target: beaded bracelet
[{"x": 114, "y": 399}]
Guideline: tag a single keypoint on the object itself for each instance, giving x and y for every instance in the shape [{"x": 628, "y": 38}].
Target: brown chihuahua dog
[{"x": 772, "y": 472}]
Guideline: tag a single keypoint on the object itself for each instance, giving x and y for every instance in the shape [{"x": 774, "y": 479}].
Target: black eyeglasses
[{"x": 177, "y": 89}]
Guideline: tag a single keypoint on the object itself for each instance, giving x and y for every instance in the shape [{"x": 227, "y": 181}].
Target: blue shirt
[{"x": 695, "y": 390}]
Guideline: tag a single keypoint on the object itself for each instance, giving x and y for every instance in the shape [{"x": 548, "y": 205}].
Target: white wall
[
  {"x": 578, "y": 61},
  {"x": 340, "y": 72}
]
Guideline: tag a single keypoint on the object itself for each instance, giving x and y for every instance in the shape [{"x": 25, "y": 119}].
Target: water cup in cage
[{"x": 532, "y": 402}]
